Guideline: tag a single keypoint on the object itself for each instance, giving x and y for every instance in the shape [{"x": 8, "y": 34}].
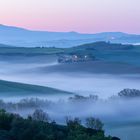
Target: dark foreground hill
[{"x": 14, "y": 127}]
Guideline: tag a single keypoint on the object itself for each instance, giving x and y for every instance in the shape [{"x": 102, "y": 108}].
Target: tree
[
  {"x": 94, "y": 123},
  {"x": 40, "y": 115},
  {"x": 75, "y": 121}
]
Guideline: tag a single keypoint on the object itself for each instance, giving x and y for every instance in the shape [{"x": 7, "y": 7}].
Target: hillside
[
  {"x": 104, "y": 51},
  {"x": 105, "y": 46},
  {"x": 5, "y": 46},
  {"x": 99, "y": 46},
  {"x": 20, "y": 89},
  {"x": 110, "y": 52},
  {"x": 8, "y": 50}
]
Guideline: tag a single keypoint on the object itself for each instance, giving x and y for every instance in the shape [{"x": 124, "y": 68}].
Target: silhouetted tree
[
  {"x": 94, "y": 123},
  {"x": 40, "y": 115}
]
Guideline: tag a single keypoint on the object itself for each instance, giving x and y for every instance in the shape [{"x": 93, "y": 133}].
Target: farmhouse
[{"x": 75, "y": 58}]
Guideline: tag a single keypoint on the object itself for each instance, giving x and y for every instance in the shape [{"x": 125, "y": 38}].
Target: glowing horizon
[{"x": 84, "y": 16}]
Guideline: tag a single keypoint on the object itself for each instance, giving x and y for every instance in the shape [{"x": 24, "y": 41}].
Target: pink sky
[{"x": 86, "y": 16}]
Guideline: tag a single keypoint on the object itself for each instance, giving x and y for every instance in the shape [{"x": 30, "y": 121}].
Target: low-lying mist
[
  {"x": 120, "y": 116},
  {"x": 84, "y": 83},
  {"x": 116, "y": 113},
  {"x": 109, "y": 110}
]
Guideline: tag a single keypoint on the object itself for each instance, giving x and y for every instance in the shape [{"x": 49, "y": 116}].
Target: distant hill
[
  {"x": 85, "y": 48},
  {"x": 5, "y": 46},
  {"x": 8, "y": 88},
  {"x": 105, "y": 46},
  {"x": 26, "y": 38}
]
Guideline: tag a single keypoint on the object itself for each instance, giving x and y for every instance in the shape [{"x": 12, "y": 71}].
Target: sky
[{"x": 85, "y": 16}]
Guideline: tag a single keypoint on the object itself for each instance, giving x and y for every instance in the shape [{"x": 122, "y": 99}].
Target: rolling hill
[
  {"x": 8, "y": 88},
  {"x": 16, "y": 36}
]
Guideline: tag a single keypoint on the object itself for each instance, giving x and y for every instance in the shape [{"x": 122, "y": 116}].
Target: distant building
[{"x": 75, "y": 58}]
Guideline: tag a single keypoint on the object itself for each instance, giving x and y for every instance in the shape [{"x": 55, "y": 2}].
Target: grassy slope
[{"x": 14, "y": 88}]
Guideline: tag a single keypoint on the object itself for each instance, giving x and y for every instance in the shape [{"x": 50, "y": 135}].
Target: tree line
[{"x": 38, "y": 126}]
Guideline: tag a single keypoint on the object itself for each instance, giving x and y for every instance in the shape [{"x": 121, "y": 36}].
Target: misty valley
[{"x": 100, "y": 80}]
